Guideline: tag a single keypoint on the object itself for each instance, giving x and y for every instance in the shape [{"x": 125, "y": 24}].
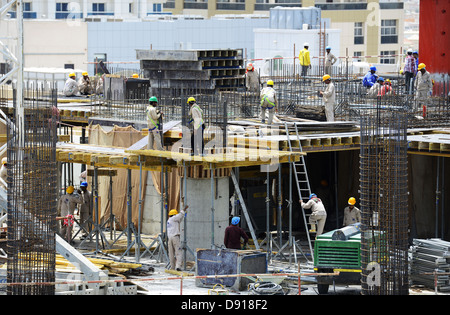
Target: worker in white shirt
[
  {"x": 66, "y": 208},
  {"x": 173, "y": 235},
  {"x": 153, "y": 117},
  {"x": 351, "y": 213},
  {"x": 329, "y": 97},
  {"x": 84, "y": 84},
  {"x": 423, "y": 85},
  {"x": 71, "y": 85},
  {"x": 196, "y": 114},
  {"x": 330, "y": 60},
  {"x": 252, "y": 79},
  {"x": 318, "y": 213}
]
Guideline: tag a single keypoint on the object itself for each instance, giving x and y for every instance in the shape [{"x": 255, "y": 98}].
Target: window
[
  {"x": 157, "y": 7},
  {"x": 130, "y": 7},
  {"x": 26, "y": 6},
  {"x": 389, "y": 32},
  {"x": 69, "y": 66},
  {"x": 98, "y": 7},
  {"x": 359, "y": 33},
  {"x": 387, "y": 57},
  {"x": 62, "y": 7},
  {"x": 357, "y": 54}
]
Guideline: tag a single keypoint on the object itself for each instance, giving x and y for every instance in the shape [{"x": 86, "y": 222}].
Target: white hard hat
[
  {"x": 409, "y": 51},
  {"x": 306, "y": 44}
]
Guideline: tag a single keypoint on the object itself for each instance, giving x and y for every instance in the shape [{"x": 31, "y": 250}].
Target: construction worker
[
  {"x": 153, "y": 122},
  {"x": 71, "y": 85},
  {"x": 318, "y": 213},
  {"x": 173, "y": 235},
  {"x": 305, "y": 60},
  {"x": 233, "y": 234},
  {"x": 84, "y": 84},
  {"x": 370, "y": 78},
  {"x": 409, "y": 71},
  {"x": 386, "y": 89},
  {"x": 423, "y": 86},
  {"x": 3, "y": 173},
  {"x": 330, "y": 60},
  {"x": 252, "y": 79},
  {"x": 376, "y": 88},
  {"x": 66, "y": 208},
  {"x": 196, "y": 114},
  {"x": 416, "y": 60},
  {"x": 268, "y": 102},
  {"x": 351, "y": 213},
  {"x": 85, "y": 209},
  {"x": 329, "y": 97}
]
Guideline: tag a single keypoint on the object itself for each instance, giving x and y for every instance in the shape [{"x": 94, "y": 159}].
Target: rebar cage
[
  {"x": 32, "y": 194},
  {"x": 384, "y": 200}
]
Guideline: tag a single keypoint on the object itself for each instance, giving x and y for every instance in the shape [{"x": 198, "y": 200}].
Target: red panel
[{"x": 434, "y": 35}]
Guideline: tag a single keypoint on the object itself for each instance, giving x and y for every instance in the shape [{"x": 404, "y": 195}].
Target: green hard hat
[{"x": 153, "y": 99}]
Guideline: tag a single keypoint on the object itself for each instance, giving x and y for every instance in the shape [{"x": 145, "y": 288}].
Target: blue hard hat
[
  {"x": 235, "y": 220},
  {"x": 380, "y": 79},
  {"x": 373, "y": 68},
  {"x": 312, "y": 196},
  {"x": 415, "y": 52},
  {"x": 84, "y": 184}
]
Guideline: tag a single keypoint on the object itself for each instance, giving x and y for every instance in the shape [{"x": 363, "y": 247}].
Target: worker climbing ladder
[{"x": 301, "y": 178}]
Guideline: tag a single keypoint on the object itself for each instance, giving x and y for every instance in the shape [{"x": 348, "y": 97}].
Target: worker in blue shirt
[{"x": 370, "y": 78}]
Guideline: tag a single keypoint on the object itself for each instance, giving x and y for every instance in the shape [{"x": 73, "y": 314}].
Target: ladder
[{"x": 301, "y": 178}]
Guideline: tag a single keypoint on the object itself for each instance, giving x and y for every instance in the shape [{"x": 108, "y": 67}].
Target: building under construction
[{"x": 387, "y": 151}]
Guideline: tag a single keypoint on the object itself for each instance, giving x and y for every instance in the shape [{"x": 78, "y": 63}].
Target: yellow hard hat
[
  {"x": 70, "y": 189},
  {"x": 270, "y": 82},
  {"x": 326, "y": 77},
  {"x": 4, "y": 161},
  {"x": 173, "y": 212},
  {"x": 352, "y": 201},
  {"x": 421, "y": 66},
  {"x": 191, "y": 99},
  {"x": 135, "y": 75},
  {"x": 84, "y": 73},
  {"x": 72, "y": 74}
]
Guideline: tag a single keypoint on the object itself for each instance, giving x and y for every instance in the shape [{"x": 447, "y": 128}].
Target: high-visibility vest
[{"x": 153, "y": 122}]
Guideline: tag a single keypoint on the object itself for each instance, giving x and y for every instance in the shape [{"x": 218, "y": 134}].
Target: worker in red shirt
[{"x": 233, "y": 234}]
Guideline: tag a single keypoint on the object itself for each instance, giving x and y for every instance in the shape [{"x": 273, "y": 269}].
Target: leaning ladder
[{"x": 301, "y": 178}]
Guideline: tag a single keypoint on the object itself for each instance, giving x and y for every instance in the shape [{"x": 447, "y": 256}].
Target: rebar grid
[
  {"x": 32, "y": 194},
  {"x": 384, "y": 202}
]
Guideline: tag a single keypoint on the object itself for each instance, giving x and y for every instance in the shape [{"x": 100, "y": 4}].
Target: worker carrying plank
[
  {"x": 173, "y": 235},
  {"x": 318, "y": 213},
  {"x": 153, "y": 121},
  {"x": 329, "y": 97},
  {"x": 268, "y": 102}
]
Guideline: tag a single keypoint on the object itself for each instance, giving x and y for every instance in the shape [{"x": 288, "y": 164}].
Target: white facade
[{"x": 287, "y": 43}]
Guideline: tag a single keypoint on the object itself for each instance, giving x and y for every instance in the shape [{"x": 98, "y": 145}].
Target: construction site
[{"x": 386, "y": 155}]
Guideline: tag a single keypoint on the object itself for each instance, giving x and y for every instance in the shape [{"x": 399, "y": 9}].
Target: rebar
[
  {"x": 384, "y": 200},
  {"x": 32, "y": 194}
]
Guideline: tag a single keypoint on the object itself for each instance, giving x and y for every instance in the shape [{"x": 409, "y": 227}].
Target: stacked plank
[
  {"x": 430, "y": 263},
  {"x": 202, "y": 70},
  {"x": 113, "y": 267}
]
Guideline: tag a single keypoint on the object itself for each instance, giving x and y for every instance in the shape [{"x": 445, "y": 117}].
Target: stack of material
[
  {"x": 429, "y": 256},
  {"x": 203, "y": 70}
]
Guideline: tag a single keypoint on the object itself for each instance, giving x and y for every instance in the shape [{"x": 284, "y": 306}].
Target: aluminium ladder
[{"x": 301, "y": 178}]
